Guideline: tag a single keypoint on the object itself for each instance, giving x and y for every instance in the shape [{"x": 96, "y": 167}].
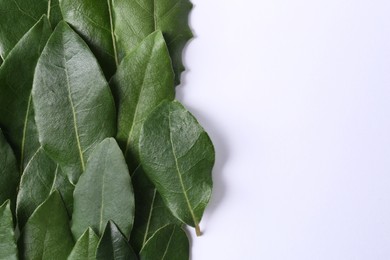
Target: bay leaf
[
  {"x": 47, "y": 234},
  {"x": 104, "y": 192},
  {"x": 113, "y": 28},
  {"x": 40, "y": 178},
  {"x": 135, "y": 20},
  {"x": 16, "y": 110},
  {"x": 18, "y": 16},
  {"x": 143, "y": 79},
  {"x": 74, "y": 108},
  {"x": 93, "y": 20},
  {"x": 178, "y": 157},
  {"x": 169, "y": 242},
  {"x": 85, "y": 248},
  {"x": 8, "y": 248},
  {"x": 113, "y": 245},
  {"x": 151, "y": 214},
  {"x": 9, "y": 175}
]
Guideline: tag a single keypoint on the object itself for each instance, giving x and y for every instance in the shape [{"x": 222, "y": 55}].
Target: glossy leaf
[
  {"x": 8, "y": 248},
  {"x": 74, "y": 108},
  {"x": 41, "y": 177},
  {"x": 145, "y": 17},
  {"x": 113, "y": 245},
  {"x": 169, "y": 242},
  {"x": 18, "y": 16},
  {"x": 144, "y": 79},
  {"x": 16, "y": 80},
  {"x": 9, "y": 175},
  {"x": 151, "y": 214},
  {"x": 46, "y": 229},
  {"x": 85, "y": 248},
  {"x": 178, "y": 156},
  {"x": 104, "y": 192},
  {"x": 113, "y": 28}
]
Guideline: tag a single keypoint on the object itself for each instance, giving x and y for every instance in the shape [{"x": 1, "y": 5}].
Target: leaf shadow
[{"x": 217, "y": 137}]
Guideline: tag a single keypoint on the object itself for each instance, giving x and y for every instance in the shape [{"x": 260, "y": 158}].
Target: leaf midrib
[
  {"x": 138, "y": 101},
  {"x": 75, "y": 124},
  {"x": 149, "y": 218},
  {"x": 179, "y": 173},
  {"x": 109, "y": 2}
]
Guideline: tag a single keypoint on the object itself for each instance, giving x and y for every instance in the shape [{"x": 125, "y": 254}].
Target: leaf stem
[
  {"x": 113, "y": 34},
  {"x": 48, "y": 9},
  {"x": 197, "y": 230}
]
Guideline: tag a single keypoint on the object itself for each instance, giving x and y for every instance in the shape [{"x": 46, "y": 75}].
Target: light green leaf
[
  {"x": 169, "y": 242},
  {"x": 151, "y": 214},
  {"x": 147, "y": 16},
  {"x": 113, "y": 245},
  {"x": 144, "y": 79},
  {"x": 74, "y": 108},
  {"x": 18, "y": 16},
  {"x": 113, "y": 28},
  {"x": 46, "y": 234},
  {"x": 16, "y": 80},
  {"x": 178, "y": 157},
  {"x": 8, "y": 248},
  {"x": 85, "y": 248},
  {"x": 40, "y": 178},
  {"x": 104, "y": 192},
  {"x": 9, "y": 175}
]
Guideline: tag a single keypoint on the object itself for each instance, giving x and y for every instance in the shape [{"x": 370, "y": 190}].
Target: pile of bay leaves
[{"x": 97, "y": 158}]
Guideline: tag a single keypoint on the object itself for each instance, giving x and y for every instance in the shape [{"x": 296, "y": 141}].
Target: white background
[{"x": 296, "y": 97}]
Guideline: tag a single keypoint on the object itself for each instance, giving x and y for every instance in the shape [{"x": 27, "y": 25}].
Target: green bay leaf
[
  {"x": 113, "y": 28},
  {"x": 151, "y": 214},
  {"x": 169, "y": 242},
  {"x": 47, "y": 234},
  {"x": 18, "y": 16},
  {"x": 113, "y": 245},
  {"x": 93, "y": 20},
  {"x": 74, "y": 108},
  {"x": 40, "y": 178},
  {"x": 144, "y": 79},
  {"x": 8, "y": 248},
  {"x": 16, "y": 109},
  {"x": 178, "y": 157},
  {"x": 85, "y": 248},
  {"x": 9, "y": 175},
  {"x": 104, "y": 192},
  {"x": 147, "y": 16}
]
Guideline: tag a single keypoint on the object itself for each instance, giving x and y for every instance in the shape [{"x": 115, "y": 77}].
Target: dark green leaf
[
  {"x": 151, "y": 213},
  {"x": 9, "y": 175},
  {"x": 178, "y": 156},
  {"x": 147, "y": 16},
  {"x": 74, "y": 108},
  {"x": 40, "y": 178},
  {"x": 18, "y": 16},
  {"x": 144, "y": 79},
  {"x": 113, "y": 245},
  {"x": 47, "y": 234},
  {"x": 16, "y": 80},
  {"x": 169, "y": 242},
  {"x": 92, "y": 19},
  {"x": 8, "y": 248},
  {"x": 104, "y": 192},
  {"x": 113, "y": 28},
  {"x": 85, "y": 248}
]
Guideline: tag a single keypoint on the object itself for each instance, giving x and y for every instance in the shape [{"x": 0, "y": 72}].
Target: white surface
[{"x": 296, "y": 96}]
